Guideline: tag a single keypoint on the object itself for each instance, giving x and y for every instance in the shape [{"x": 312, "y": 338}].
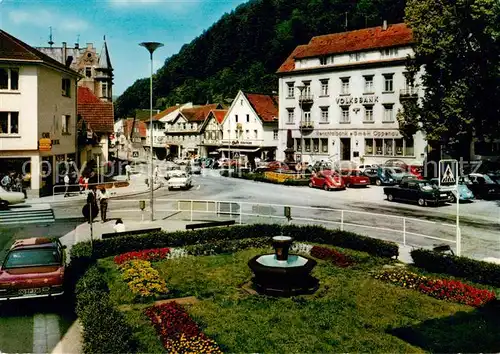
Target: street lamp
[
  {"x": 151, "y": 47},
  {"x": 301, "y": 88}
]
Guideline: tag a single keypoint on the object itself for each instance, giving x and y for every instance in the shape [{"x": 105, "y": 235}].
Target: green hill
[{"x": 244, "y": 49}]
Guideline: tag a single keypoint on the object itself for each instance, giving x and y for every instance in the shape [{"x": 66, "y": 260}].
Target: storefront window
[
  {"x": 316, "y": 145},
  {"x": 368, "y": 146},
  {"x": 399, "y": 147},
  {"x": 409, "y": 151},
  {"x": 298, "y": 147},
  {"x": 378, "y": 146},
  {"x": 388, "y": 147},
  {"x": 324, "y": 145},
  {"x": 307, "y": 143}
]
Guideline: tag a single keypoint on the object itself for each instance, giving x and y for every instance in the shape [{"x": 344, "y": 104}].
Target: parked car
[
  {"x": 277, "y": 165},
  {"x": 379, "y": 176},
  {"x": 422, "y": 192},
  {"x": 172, "y": 170},
  {"x": 326, "y": 179},
  {"x": 322, "y": 165},
  {"x": 397, "y": 173},
  {"x": 10, "y": 198},
  {"x": 32, "y": 268},
  {"x": 483, "y": 186},
  {"x": 180, "y": 181},
  {"x": 353, "y": 178},
  {"x": 464, "y": 193},
  {"x": 362, "y": 168},
  {"x": 194, "y": 167}
]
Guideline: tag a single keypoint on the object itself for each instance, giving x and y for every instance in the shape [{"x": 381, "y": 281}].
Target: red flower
[
  {"x": 151, "y": 255},
  {"x": 337, "y": 258}
]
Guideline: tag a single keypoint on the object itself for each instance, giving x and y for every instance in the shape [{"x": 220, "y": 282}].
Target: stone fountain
[{"x": 281, "y": 273}]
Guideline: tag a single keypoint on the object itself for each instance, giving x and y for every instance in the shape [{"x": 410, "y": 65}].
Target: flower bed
[
  {"x": 337, "y": 258},
  {"x": 142, "y": 279},
  {"x": 178, "y": 332},
  {"x": 442, "y": 289},
  {"x": 151, "y": 255}
]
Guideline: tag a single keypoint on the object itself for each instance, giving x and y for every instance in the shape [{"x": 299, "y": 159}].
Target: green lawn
[{"x": 351, "y": 312}]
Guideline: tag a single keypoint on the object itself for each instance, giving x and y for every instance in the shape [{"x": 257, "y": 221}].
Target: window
[
  {"x": 275, "y": 134},
  {"x": 307, "y": 117},
  {"x": 368, "y": 113},
  {"x": 388, "y": 82},
  {"x": 322, "y": 61},
  {"x": 399, "y": 147},
  {"x": 88, "y": 71},
  {"x": 9, "y": 122},
  {"x": 9, "y": 79},
  {"x": 65, "y": 124},
  {"x": 236, "y": 118},
  {"x": 324, "y": 87},
  {"x": 378, "y": 146},
  {"x": 256, "y": 134},
  {"x": 248, "y": 118},
  {"x": 66, "y": 87},
  {"x": 345, "y": 115},
  {"x": 307, "y": 144},
  {"x": 298, "y": 147},
  {"x": 315, "y": 145},
  {"x": 388, "y": 147},
  {"x": 409, "y": 151},
  {"x": 345, "y": 86},
  {"x": 369, "y": 84},
  {"x": 356, "y": 56},
  {"x": 241, "y": 102},
  {"x": 389, "y": 52},
  {"x": 324, "y": 114},
  {"x": 290, "y": 115},
  {"x": 291, "y": 90},
  {"x": 307, "y": 89},
  {"x": 388, "y": 113},
  {"x": 324, "y": 145},
  {"x": 104, "y": 89},
  {"x": 368, "y": 146}
]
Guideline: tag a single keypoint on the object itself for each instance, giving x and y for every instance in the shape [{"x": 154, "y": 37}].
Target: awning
[{"x": 239, "y": 150}]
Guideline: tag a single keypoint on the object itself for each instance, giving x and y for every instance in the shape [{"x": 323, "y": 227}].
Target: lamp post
[
  {"x": 301, "y": 89},
  {"x": 151, "y": 47}
]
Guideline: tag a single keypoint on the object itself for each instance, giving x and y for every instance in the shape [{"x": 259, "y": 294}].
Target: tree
[{"x": 457, "y": 43}]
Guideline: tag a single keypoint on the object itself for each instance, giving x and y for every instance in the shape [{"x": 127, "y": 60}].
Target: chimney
[
  {"x": 65, "y": 52},
  {"x": 77, "y": 46},
  {"x": 384, "y": 26}
]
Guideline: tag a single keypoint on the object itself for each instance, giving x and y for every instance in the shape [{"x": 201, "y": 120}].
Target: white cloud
[{"x": 44, "y": 18}]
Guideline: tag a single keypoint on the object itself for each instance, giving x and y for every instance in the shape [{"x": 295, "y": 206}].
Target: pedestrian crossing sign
[
  {"x": 448, "y": 172},
  {"x": 448, "y": 176}
]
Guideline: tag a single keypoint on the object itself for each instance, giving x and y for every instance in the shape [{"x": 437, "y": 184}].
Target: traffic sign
[
  {"x": 135, "y": 154},
  {"x": 448, "y": 172}
]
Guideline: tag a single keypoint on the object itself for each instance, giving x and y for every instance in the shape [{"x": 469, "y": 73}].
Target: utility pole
[{"x": 346, "y": 21}]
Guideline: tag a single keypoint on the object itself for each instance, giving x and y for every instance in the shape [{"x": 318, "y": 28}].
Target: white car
[
  {"x": 10, "y": 198},
  {"x": 194, "y": 167},
  {"x": 180, "y": 181},
  {"x": 171, "y": 171}
]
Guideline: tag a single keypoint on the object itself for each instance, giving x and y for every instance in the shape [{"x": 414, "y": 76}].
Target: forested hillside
[{"x": 244, "y": 49}]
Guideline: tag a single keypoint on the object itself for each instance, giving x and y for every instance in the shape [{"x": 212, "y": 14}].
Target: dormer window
[
  {"x": 389, "y": 52},
  {"x": 322, "y": 61},
  {"x": 326, "y": 60},
  {"x": 356, "y": 56}
]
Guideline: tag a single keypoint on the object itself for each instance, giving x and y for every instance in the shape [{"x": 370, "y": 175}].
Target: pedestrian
[
  {"x": 66, "y": 185},
  {"x": 92, "y": 204},
  {"x": 103, "y": 197},
  {"x": 119, "y": 226},
  {"x": 86, "y": 183},
  {"x": 81, "y": 184},
  {"x": 19, "y": 183},
  {"x": 127, "y": 171},
  {"x": 156, "y": 174},
  {"x": 6, "y": 181}
]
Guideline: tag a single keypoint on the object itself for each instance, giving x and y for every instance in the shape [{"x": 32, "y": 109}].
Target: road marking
[{"x": 46, "y": 333}]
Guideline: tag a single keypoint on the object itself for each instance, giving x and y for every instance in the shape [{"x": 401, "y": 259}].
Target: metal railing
[
  {"x": 75, "y": 188},
  {"x": 409, "y": 91},
  {"x": 403, "y": 230}
]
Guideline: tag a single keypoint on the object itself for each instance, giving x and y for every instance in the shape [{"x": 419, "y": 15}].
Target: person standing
[
  {"x": 6, "y": 181},
  {"x": 103, "y": 201},
  {"x": 66, "y": 185},
  {"x": 81, "y": 184},
  {"x": 92, "y": 208}
]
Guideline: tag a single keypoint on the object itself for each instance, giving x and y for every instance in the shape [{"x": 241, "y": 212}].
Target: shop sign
[
  {"x": 361, "y": 133},
  {"x": 345, "y": 101},
  {"x": 44, "y": 144}
]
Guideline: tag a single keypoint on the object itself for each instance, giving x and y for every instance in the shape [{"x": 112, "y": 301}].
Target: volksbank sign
[{"x": 346, "y": 101}]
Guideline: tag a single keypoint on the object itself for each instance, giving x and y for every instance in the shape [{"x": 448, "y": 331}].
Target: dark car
[
  {"x": 33, "y": 268},
  {"x": 483, "y": 186},
  {"x": 379, "y": 176},
  {"x": 420, "y": 191}
]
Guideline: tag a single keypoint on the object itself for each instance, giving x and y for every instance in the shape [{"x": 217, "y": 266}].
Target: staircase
[{"x": 34, "y": 214}]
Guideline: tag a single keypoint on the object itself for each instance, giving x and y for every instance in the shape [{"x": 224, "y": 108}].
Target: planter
[{"x": 121, "y": 184}]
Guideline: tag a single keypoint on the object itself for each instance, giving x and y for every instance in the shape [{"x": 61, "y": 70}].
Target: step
[
  {"x": 34, "y": 221},
  {"x": 30, "y": 216}
]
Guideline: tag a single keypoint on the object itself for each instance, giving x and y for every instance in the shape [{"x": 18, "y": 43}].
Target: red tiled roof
[
  {"x": 165, "y": 112},
  {"x": 219, "y": 114},
  {"x": 12, "y": 48},
  {"x": 85, "y": 95},
  {"x": 266, "y": 106},
  {"x": 198, "y": 114},
  {"x": 99, "y": 116},
  {"x": 353, "y": 41},
  {"x": 127, "y": 127}
]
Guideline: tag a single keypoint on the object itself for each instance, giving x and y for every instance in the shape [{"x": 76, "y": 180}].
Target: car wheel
[
  {"x": 348, "y": 185},
  {"x": 169, "y": 188},
  {"x": 421, "y": 201},
  {"x": 453, "y": 198},
  {"x": 390, "y": 197},
  {"x": 4, "y": 205},
  {"x": 325, "y": 187},
  {"x": 378, "y": 182},
  {"x": 311, "y": 185}
]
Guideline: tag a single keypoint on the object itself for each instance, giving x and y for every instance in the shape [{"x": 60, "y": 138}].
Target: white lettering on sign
[
  {"x": 347, "y": 101},
  {"x": 361, "y": 133}
]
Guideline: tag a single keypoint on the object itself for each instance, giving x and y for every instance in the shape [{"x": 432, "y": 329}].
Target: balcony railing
[
  {"x": 306, "y": 124},
  {"x": 306, "y": 98},
  {"x": 409, "y": 92}
]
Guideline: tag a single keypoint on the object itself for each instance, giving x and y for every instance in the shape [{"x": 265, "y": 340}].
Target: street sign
[
  {"x": 236, "y": 155},
  {"x": 288, "y": 212},
  {"x": 135, "y": 154},
  {"x": 448, "y": 172}
]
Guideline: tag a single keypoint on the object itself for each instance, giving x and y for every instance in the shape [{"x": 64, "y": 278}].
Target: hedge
[
  {"x": 105, "y": 329},
  {"x": 463, "y": 267},
  {"x": 81, "y": 253},
  {"x": 259, "y": 177}
]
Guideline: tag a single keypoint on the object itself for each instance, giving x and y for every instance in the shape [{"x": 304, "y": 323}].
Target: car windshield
[
  {"x": 427, "y": 186},
  {"x": 396, "y": 170},
  {"x": 32, "y": 258}
]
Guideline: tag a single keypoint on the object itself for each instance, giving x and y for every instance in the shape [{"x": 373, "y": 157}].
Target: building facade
[
  {"x": 340, "y": 95},
  {"x": 129, "y": 139},
  {"x": 250, "y": 127},
  {"x": 37, "y": 114},
  {"x": 212, "y": 133}
]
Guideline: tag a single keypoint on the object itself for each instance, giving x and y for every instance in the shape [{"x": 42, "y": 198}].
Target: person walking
[
  {"x": 6, "y": 181},
  {"x": 127, "y": 171},
  {"x": 81, "y": 184},
  {"x": 103, "y": 197},
  {"x": 86, "y": 183},
  {"x": 66, "y": 185}
]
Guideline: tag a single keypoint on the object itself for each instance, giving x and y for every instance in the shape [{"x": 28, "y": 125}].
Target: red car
[
  {"x": 33, "y": 267},
  {"x": 354, "y": 178},
  {"x": 326, "y": 179},
  {"x": 277, "y": 165},
  {"x": 416, "y": 171}
]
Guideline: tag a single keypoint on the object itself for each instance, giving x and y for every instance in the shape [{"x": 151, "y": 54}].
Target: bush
[
  {"x": 227, "y": 246},
  {"x": 105, "y": 329},
  {"x": 463, "y": 267},
  {"x": 81, "y": 252}
]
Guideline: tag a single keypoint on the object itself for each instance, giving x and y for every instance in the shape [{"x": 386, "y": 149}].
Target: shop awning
[{"x": 239, "y": 150}]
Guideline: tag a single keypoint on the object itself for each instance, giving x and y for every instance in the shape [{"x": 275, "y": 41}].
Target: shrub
[
  {"x": 463, "y": 267},
  {"x": 178, "y": 332},
  {"x": 81, "y": 252},
  {"x": 151, "y": 255},
  {"x": 227, "y": 246},
  {"x": 105, "y": 329},
  {"x": 450, "y": 290},
  {"x": 328, "y": 254},
  {"x": 142, "y": 279}
]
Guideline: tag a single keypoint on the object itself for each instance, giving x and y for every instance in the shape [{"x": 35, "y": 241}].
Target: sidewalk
[{"x": 136, "y": 185}]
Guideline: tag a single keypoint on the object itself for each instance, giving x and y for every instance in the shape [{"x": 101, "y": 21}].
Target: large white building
[
  {"x": 38, "y": 109},
  {"x": 250, "y": 127},
  {"x": 340, "y": 93}
]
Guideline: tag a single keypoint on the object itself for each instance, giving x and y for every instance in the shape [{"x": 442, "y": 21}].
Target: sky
[{"x": 125, "y": 23}]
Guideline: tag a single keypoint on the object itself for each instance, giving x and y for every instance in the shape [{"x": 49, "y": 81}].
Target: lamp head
[{"x": 151, "y": 46}]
